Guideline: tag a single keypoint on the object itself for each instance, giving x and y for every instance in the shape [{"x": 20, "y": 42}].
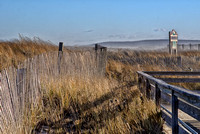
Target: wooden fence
[
  {"x": 189, "y": 47},
  {"x": 182, "y": 99},
  {"x": 186, "y": 63},
  {"x": 101, "y": 58},
  {"x": 21, "y": 87}
]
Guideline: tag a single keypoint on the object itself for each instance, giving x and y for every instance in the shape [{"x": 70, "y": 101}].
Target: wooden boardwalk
[
  {"x": 190, "y": 121},
  {"x": 180, "y": 107}
]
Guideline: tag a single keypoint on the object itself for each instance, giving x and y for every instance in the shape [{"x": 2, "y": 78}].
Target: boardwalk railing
[{"x": 181, "y": 98}]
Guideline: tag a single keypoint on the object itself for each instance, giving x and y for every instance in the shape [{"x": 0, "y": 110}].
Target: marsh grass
[
  {"x": 77, "y": 99},
  {"x": 96, "y": 105},
  {"x": 16, "y": 51}
]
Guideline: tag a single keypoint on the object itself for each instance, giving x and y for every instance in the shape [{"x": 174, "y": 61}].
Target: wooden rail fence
[
  {"x": 181, "y": 98},
  {"x": 189, "y": 47}
]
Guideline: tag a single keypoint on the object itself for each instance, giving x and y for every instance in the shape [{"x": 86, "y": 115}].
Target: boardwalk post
[
  {"x": 175, "y": 126},
  {"x": 143, "y": 89},
  {"x": 139, "y": 82},
  {"x": 60, "y": 53},
  {"x": 158, "y": 96},
  {"x": 148, "y": 89}
]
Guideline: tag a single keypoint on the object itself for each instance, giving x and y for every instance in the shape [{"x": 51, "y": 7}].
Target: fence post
[
  {"x": 158, "y": 96},
  {"x": 20, "y": 83},
  {"x": 101, "y": 58},
  {"x": 60, "y": 53},
  {"x": 179, "y": 61},
  {"x": 190, "y": 46},
  {"x": 175, "y": 126},
  {"x": 198, "y": 47},
  {"x": 183, "y": 46}
]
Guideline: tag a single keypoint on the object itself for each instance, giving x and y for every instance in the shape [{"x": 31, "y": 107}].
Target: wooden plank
[
  {"x": 189, "y": 109},
  {"x": 166, "y": 115},
  {"x": 139, "y": 81},
  {"x": 153, "y": 89},
  {"x": 165, "y": 90},
  {"x": 194, "y": 124},
  {"x": 174, "y": 114},
  {"x": 181, "y": 80},
  {"x": 166, "y": 98},
  {"x": 159, "y": 73}
]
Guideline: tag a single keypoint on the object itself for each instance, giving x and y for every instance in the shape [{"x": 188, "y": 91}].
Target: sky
[{"x": 82, "y": 22}]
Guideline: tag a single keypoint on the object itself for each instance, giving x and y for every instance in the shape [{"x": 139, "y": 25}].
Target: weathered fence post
[
  {"x": 60, "y": 54},
  {"x": 190, "y": 46},
  {"x": 183, "y": 46},
  {"x": 179, "y": 61},
  {"x": 198, "y": 47},
  {"x": 101, "y": 58},
  {"x": 175, "y": 126},
  {"x": 158, "y": 96},
  {"x": 20, "y": 83},
  {"x": 167, "y": 61}
]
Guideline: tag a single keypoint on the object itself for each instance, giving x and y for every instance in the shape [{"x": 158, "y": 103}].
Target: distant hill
[{"x": 145, "y": 44}]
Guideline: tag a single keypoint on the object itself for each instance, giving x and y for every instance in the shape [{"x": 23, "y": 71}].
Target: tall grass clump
[
  {"x": 16, "y": 51},
  {"x": 70, "y": 95}
]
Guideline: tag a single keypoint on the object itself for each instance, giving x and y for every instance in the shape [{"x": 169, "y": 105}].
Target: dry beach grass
[{"x": 78, "y": 99}]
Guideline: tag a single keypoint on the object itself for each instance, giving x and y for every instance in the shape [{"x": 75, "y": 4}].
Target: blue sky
[{"x": 79, "y": 22}]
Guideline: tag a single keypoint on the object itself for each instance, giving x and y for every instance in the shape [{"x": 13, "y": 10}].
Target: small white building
[{"x": 173, "y": 42}]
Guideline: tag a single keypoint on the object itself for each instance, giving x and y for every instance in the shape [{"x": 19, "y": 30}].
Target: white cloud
[
  {"x": 88, "y": 31},
  {"x": 159, "y": 30},
  {"x": 118, "y": 36}
]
